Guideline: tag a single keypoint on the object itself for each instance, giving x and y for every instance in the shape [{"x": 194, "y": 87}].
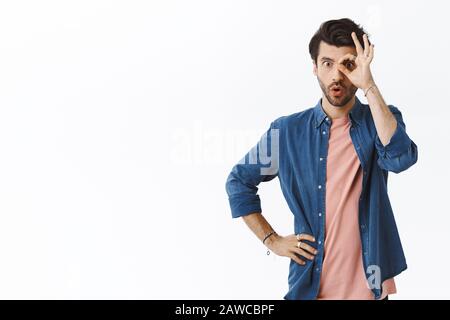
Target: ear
[{"x": 314, "y": 67}]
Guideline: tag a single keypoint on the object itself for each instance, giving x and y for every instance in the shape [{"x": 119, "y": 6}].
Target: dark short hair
[{"x": 336, "y": 33}]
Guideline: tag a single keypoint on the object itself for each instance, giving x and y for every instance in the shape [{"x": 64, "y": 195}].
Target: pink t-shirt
[{"x": 343, "y": 275}]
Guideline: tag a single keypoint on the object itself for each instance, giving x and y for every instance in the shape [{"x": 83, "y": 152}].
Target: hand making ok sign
[{"x": 357, "y": 68}]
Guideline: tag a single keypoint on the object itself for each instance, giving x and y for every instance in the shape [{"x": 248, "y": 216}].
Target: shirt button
[
  {"x": 363, "y": 226},
  {"x": 320, "y": 214},
  {"x": 317, "y": 269},
  {"x": 321, "y": 159},
  {"x": 327, "y": 118},
  {"x": 320, "y": 242},
  {"x": 323, "y": 132},
  {"x": 320, "y": 187}
]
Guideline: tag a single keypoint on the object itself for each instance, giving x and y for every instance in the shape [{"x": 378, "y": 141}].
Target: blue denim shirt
[{"x": 294, "y": 149}]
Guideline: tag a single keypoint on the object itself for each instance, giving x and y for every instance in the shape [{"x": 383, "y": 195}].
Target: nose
[{"x": 337, "y": 75}]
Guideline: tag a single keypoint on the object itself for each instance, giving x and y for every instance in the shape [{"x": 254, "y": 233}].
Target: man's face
[{"x": 336, "y": 87}]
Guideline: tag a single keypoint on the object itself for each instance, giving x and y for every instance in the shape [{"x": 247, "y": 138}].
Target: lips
[{"x": 337, "y": 90}]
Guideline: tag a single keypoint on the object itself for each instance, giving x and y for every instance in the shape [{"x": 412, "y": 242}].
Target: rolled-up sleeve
[
  {"x": 258, "y": 165},
  {"x": 401, "y": 152}
]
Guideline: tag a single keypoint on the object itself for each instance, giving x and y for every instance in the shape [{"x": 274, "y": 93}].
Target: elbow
[
  {"x": 230, "y": 184},
  {"x": 401, "y": 162}
]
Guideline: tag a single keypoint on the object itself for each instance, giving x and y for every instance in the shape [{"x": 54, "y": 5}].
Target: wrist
[
  {"x": 368, "y": 85},
  {"x": 270, "y": 241}
]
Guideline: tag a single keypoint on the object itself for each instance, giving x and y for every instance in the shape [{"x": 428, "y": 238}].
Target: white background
[{"x": 120, "y": 121}]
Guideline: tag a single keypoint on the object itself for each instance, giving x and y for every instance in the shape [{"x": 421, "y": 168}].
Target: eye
[
  {"x": 327, "y": 64},
  {"x": 350, "y": 65}
]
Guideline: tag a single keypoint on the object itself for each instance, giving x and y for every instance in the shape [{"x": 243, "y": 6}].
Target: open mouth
[{"x": 337, "y": 90}]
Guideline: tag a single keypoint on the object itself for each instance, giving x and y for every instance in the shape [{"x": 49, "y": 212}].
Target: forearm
[
  {"x": 260, "y": 227},
  {"x": 385, "y": 122}
]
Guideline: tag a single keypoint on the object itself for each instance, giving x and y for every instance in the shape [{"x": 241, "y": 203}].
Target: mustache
[{"x": 335, "y": 84}]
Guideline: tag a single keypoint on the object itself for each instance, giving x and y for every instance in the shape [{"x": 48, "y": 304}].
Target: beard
[{"x": 341, "y": 101}]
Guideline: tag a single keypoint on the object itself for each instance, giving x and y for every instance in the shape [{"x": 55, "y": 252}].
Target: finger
[
  {"x": 297, "y": 259},
  {"x": 371, "y": 52},
  {"x": 366, "y": 45},
  {"x": 359, "y": 49},
  {"x": 303, "y": 253},
  {"x": 343, "y": 69},
  {"x": 308, "y": 248},
  {"x": 305, "y": 236}
]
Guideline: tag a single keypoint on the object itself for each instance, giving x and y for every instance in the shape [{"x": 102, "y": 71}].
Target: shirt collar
[{"x": 355, "y": 113}]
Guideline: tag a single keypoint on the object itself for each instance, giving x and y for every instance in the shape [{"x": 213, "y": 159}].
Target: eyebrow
[
  {"x": 331, "y": 60},
  {"x": 326, "y": 59}
]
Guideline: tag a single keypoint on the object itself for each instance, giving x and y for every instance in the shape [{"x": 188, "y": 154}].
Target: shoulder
[{"x": 294, "y": 119}]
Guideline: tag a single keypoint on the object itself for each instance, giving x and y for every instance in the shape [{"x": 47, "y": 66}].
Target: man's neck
[{"x": 337, "y": 112}]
